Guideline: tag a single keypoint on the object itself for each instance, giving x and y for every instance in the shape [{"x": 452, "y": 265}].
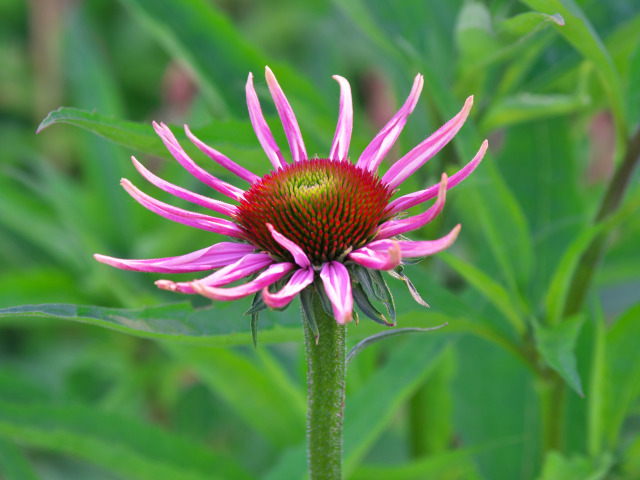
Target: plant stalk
[
  {"x": 326, "y": 371},
  {"x": 611, "y": 201}
]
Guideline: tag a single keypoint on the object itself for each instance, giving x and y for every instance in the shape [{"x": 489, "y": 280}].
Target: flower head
[{"x": 325, "y": 225}]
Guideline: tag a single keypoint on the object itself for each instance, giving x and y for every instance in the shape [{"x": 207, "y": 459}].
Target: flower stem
[{"x": 326, "y": 371}]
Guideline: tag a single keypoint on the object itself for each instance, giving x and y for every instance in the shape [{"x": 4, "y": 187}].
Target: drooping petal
[
  {"x": 298, "y": 281},
  {"x": 221, "y": 159},
  {"x": 373, "y": 155},
  {"x": 170, "y": 141},
  {"x": 405, "y": 202},
  {"x": 342, "y": 138},
  {"x": 288, "y": 119},
  {"x": 179, "y": 215},
  {"x": 298, "y": 254},
  {"x": 424, "y": 248},
  {"x": 215, "y": 205},
  {"x": 270, "y": 275},
  {"x": 243, "y": 267},
  {"x": 380, "y": 255},
  {"x": 396, "y": 227},
  {"x": 261, "y": 128},
  {"x": 419, "y": 155},
  {"x": 215, "y": 256},
  {"x": 337, "y": 284}
]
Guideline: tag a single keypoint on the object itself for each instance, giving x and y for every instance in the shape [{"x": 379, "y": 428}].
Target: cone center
[{"x": 327, "y": 208}]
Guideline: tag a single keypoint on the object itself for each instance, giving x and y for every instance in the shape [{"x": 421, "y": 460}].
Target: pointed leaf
[
  {"x": 364, "y": 304},
  {"x": 180, "y": 322},
  {"x": 122, "y": 445},
  {"x": 622, "y": 371},
  {"x": 306, "y": 300},
  {"x": 142, "y": 138},
  {"x": 13, "y": 464},
  {"x": 362, "y": 344},
  {"x": 580, "y": 33},
  {"x": 556, "y": 344}
]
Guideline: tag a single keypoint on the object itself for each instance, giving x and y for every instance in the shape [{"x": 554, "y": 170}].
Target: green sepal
[
  {"x": 254, "y": 329},
  {"x": 362, "y": 300},
  {"x": 384, "y": 293},
  {"x": 375, "y": 286},
  {"x": 306, "y": 300},
  {"x": 363, "y": 277},
  {"x": 399, "y": 274},
  {"x": 324, "y": 298},
  {"x": 257, "y": 305},
  {"x": 412, "y": 261}
]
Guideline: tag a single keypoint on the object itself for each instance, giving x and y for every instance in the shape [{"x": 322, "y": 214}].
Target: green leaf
[
  {"x": 492, "y": 290},
  {"x": 251, "y": 385},
  {"x": 197, "y": 33},
  {"x": 362, "y": 344},
  {"x": 474, "y": 33},
  {"x": 455, "y": 464},
  {"x": 568, "y": 267},
  {"x": 13, "y": 464},
  {"x": 142, "y": 137},
  {"x": 580, "y": 33},
  {"x": 180, "y": 322},
  {"x": 555, "y": 299},
  {"x": 556, "y": 344},
  {"x": 633, "y": 86},
  {"x": 525, "y": 107},
  {"x": 622, "y": 371},
  {"x": 369, "y": 410},
  {"x": 528, "y": 22},
  {"x": 122, "y": 445},
  {"x": 557, "y": 466}
]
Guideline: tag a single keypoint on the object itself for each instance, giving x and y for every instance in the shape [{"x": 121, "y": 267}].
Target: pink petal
[
  {"x": 186, "y": 217},
  {"x": 215, "y": 205},
  {"x": 412, "y": 199},
  {"x": 337, "y": 284},
  {"x": 270, "y": 275},
  {"x": 288, "y": 119},
  {"x": 384, "y": 140},
  {"x": 296, "y": 283},
  {"x": 380, "y": 255},
  {"x": 183, "y": 159},
  {"x": 247, "y": 265},
  {"x": 396, "y": 227},
  {"x": 221, "y": 159},
  {"x": 298, "y": 254},
  {"x": 342, "y": 138},
  {"x": 261, "y": 128},
  {"x": 216, "y": 256},
  {"x": 425, "y": 248},
  {"x": 417, "y": 157}
]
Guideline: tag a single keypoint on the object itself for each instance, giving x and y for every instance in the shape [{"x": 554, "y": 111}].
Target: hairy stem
[{"x": 326, "y": 371}]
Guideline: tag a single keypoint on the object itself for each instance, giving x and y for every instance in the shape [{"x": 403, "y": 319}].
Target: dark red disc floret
[{"x": 327, "y": 208}]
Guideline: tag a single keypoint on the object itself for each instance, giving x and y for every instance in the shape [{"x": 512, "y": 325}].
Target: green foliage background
[{"x": 536, "y": 376}]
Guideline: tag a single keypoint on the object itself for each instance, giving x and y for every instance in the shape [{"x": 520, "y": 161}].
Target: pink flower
[{"x": 324, "y": 224}]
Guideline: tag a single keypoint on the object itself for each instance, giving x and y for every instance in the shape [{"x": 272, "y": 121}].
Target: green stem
[
  {"x": 326, "y": 371},
  {"x": 610, "y": 202},
  {"x": 552, "y": 405}
]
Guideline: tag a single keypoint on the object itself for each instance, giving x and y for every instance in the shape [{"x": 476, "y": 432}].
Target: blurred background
[{"x": 526, "y": 382}]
